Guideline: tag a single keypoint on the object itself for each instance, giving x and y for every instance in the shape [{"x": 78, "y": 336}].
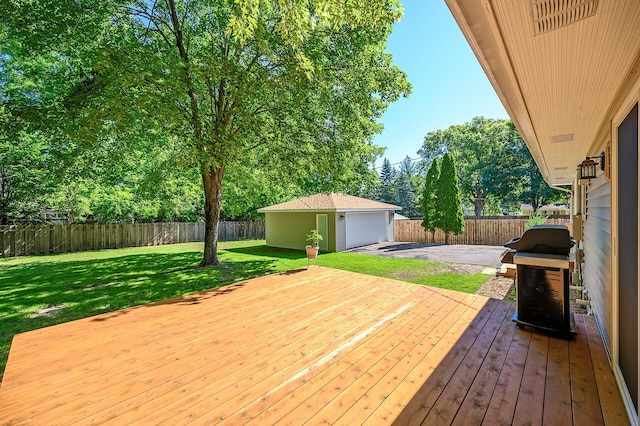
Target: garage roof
[{"x": 331, "y": 203}]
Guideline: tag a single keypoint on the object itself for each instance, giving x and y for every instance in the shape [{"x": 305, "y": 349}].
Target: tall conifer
[
  {"x": 429, "y": 206},
  {"x": 387, "y": 182},
  {"x": 448, "y": 200}
]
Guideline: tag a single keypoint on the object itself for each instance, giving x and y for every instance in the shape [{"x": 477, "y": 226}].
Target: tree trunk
[
  {"x": 535, "y": 203},
  {"x": 446, "y": 238},
  {"x": 478, "y": 205},
  {"x": 213, "y": 200}
]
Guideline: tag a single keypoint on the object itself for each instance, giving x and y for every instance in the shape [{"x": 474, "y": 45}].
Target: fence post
[{"x": 5, "y": 246}]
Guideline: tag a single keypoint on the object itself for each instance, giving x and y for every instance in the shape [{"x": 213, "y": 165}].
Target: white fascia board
[
  {"x": 297, "y": 211},
  {"x": 385, "y": 209}
]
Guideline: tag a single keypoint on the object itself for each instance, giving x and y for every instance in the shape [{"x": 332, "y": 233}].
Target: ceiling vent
[
  {"x": 562, "y": 138},
  {"x": 549, "y": 15}
]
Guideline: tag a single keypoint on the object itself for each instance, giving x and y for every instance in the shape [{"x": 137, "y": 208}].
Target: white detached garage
[{"x": 344, "y": 221}]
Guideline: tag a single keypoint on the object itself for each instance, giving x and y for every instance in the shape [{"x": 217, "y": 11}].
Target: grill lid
[{"x": 549, "y": 239}]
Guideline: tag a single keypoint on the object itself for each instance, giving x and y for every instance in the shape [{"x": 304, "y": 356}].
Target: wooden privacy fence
[
  {"x": 24, "y": 240},
  {"x": 490, "y": 232}
]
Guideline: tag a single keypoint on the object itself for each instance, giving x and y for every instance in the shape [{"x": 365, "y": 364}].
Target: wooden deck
[{"x": 312, "y": 347}]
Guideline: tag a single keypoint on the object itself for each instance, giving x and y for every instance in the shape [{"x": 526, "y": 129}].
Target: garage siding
[
  {"x": 366, "y": 228},
  {"x": 290, "y": 229},
  {"x": 341, "y": 232},
  {"x": 331, "y": 218}
]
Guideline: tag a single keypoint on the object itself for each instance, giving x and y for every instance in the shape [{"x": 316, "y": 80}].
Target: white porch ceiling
[{"x": 557, "y": 83}]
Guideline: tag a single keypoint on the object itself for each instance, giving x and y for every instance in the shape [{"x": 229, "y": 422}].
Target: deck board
[
  {"x": 613, "y": 411},
  {"x": 503, "y": 401},
  {"x": 470, "y": 359},
  {"x": 557, "y": 395},
  {"x": 584, "y": 393},
  {"x": 530, "y": 405},
  {"x": 312, "y": 346},
  {"x": 474, "y": 407}
]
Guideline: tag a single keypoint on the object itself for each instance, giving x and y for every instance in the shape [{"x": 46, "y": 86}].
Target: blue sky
[{"x": 449, "y": 86}]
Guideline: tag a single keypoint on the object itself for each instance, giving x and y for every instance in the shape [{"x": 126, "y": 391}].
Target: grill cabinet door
[{"x": 543, "y": 298}]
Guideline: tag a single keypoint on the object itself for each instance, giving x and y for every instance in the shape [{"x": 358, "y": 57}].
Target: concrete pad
[{"x": 464, "y": 254}]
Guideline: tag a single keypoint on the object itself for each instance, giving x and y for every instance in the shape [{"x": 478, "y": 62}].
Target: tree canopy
[
  {"x": 400, "y": 185},
  {"x": 533, "y": 189},
  {"x": 23, "y": 165},
  {"x": 493, "y": 163},
  {"x": 250, "y": 89},
  {"x": 408, "y": 185}
]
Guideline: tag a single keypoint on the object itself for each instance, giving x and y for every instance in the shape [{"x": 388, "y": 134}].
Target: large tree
[
  {"x": 231, "y": 81},
  {"x": 486, "y": 153},
  {"x": 449, "y": 204},
  {"x": 534, "y": 190}
]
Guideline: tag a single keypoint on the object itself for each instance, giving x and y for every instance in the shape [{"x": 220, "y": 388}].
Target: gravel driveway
[{"x": 468, "y": 255}]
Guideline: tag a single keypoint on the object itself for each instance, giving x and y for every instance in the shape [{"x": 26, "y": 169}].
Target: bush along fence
[
  {"x": 24, "y": 240},
  {"x": 490, "y": 232}
]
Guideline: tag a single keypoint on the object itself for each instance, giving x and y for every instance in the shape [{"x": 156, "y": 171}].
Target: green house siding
[{"x": 290, "y": 229}]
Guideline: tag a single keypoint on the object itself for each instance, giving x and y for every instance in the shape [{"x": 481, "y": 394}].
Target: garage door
[{"x": 366, "y": 228}]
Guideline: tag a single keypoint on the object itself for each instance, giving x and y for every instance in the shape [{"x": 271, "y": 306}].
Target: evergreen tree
[
  {"x": 407, "y": 188},
  {"x": 387, "y": 182},
  {"x": 429, "y": 201},
  {"x": 448, "y": 199}
]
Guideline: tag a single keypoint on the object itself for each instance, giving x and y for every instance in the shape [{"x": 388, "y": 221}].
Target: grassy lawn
[{"x": 90, "y": 283}]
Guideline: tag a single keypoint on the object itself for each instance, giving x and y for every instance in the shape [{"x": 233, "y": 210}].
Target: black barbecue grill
[{"x": 541, "y": 256}]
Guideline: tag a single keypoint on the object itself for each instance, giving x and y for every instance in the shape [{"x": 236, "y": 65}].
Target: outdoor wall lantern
[{"x": 587, "y": 169}]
